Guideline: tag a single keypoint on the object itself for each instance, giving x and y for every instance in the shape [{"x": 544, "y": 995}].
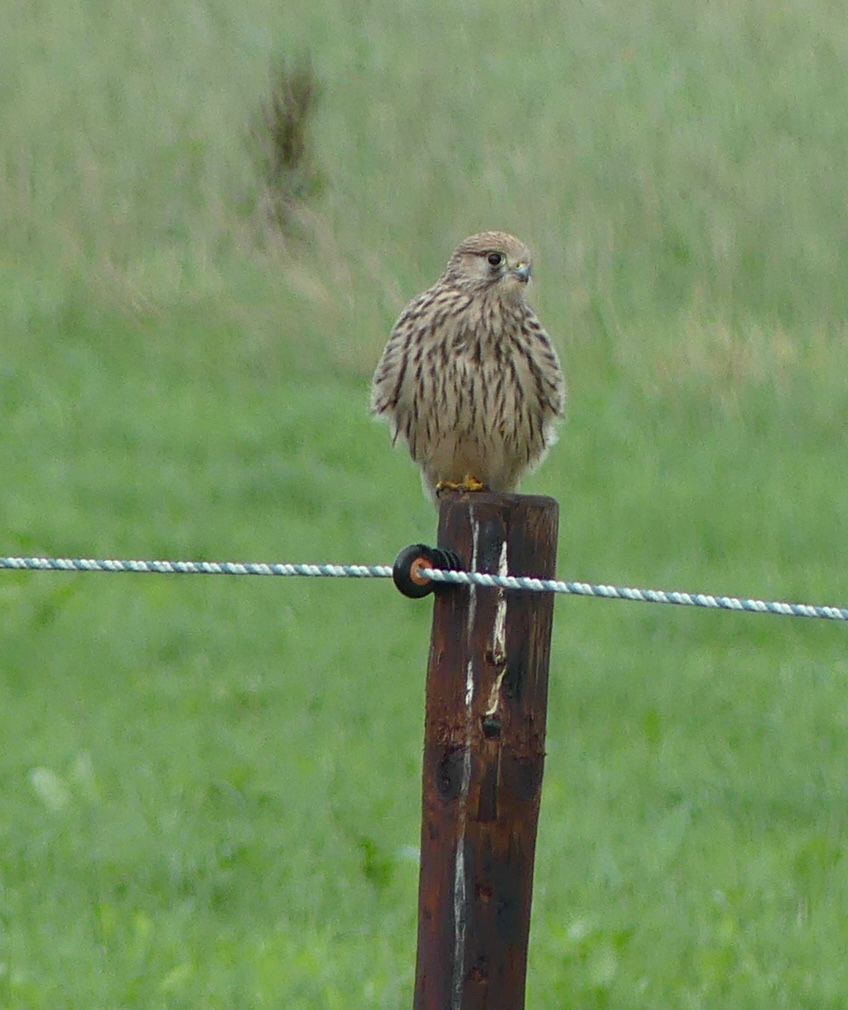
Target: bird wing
[
  {"x": 392, "y": 378},
  {"x": 545, "y": 369}
]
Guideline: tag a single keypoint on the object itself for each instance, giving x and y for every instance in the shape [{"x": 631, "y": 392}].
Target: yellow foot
[{"x": 469, "y": 483}]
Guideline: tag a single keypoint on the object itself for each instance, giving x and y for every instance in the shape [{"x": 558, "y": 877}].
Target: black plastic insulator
[{"x": 415, "y": 557}]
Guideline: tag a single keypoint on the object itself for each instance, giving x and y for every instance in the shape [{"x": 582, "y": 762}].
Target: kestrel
[{"x": 469, "y": 379}]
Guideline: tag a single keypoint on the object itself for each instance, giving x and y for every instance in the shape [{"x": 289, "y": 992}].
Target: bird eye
[{"x": 495, "y": 259}]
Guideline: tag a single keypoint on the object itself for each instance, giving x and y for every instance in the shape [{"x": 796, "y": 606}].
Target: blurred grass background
[{"x": 210, "y": 788}]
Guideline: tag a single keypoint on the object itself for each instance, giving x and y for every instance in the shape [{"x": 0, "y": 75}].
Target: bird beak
[{"x": 522, "y": 272}]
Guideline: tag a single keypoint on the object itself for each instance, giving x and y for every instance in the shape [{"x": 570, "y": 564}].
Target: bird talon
[
  {"x": 468, "y": 485},
  {"x": 471, "y": 483}
]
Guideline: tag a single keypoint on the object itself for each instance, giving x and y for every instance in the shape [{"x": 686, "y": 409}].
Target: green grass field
[{"x": 210, "y": 787}]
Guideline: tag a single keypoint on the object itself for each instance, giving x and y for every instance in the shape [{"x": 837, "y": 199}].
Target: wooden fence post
[{"x": 484, "y": 748}]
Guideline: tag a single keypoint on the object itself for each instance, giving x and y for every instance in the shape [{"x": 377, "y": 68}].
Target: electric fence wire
[{"x": 511, "y": 582}]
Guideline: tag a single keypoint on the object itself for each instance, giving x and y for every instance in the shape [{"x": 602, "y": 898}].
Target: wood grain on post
[{"x": 484, "y": 748}]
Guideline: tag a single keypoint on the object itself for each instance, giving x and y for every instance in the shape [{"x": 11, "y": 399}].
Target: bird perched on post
[{"x": 469, "y": 379}]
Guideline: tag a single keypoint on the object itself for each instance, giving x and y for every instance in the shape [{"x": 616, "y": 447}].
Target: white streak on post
[
  {"x": 499, "y": 637},
  {"x": 459, "y": 857}
]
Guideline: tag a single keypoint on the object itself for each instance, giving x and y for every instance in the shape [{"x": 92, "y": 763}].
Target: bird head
[{"x": 493, "y": 261}]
